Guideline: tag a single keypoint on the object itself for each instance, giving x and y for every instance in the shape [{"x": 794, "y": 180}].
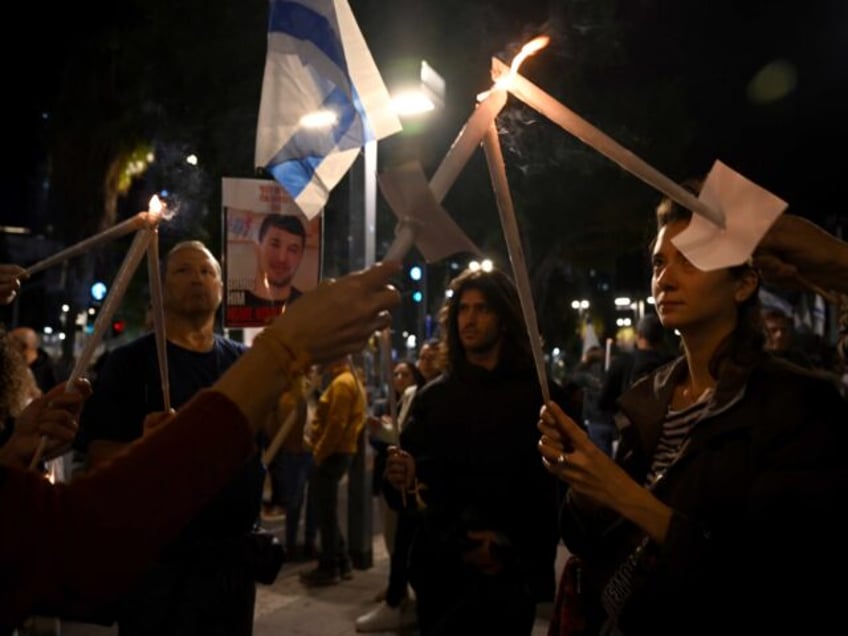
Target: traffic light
[
  {"x": 416, "y": 275},
  {"x": 98, "y": 291},
  {"x": 118, "y": 327}
]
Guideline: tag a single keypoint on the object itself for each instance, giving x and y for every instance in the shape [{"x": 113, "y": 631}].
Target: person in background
[
  {"x": 728, "y": 457},
  {"x": 628, "y": 367},
  {"x": 201, "y": 584},
  {"x": 779, "y": 338},
  {"x": 295, "y": 464},
  {"x": 485, "y": 540},
  {"x": 589, "y": 375},
  {"x": 333, "y": 436},
  {"x": 429, "y": 361},
  {"x": 78, "y": 546},
  {"x": 22, "y": 422},
  {"x": 394, "y": 611},
  {"x": 39, "y": 361}
]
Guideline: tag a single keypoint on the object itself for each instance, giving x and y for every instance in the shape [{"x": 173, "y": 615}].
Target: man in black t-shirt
[{"x": 201, "y": 584}]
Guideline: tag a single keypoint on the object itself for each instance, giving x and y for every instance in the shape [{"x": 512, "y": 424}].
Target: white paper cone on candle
[
  {"x": 157, "y": 308},
  {"x": 420, "y": 217},
  {"x": 497, "y": 172}
]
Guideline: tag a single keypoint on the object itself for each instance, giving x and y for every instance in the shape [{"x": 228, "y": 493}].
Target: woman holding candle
[
  {"x": 728, "y": 460},
  {"x": 75, "y": 546}
]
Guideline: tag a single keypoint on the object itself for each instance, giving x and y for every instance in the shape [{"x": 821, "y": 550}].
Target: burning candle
[
  {"x": 137, "y": 222},
  {"x": 497, "y": 172},
  {"x": 104, "y": 318},
  {"x": 110, "y": 305},
  {"x": 466, "y": 142},
  {"x": 570, "y": 121},
  {"x": 490, "y": 104}
]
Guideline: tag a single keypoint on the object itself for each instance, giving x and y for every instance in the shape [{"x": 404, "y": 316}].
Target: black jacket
[
  {"x": 474, "y": 438},
  {"x": 757, "y": 533}
]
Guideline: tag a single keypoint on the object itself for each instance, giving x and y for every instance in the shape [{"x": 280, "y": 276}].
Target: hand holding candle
[{"x": 104, "y": 318}]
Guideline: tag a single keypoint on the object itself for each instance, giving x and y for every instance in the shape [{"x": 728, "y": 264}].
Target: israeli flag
[{"x": 322, "y": 99}]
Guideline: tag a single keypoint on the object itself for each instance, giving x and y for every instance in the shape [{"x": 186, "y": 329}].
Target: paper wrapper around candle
[{"x": 421, "y": 220}]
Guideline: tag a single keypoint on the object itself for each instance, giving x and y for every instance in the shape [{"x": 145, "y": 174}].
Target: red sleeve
[{"x": 69, "y": 545}]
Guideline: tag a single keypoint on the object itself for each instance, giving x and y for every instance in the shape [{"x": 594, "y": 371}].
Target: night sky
[
  {"x": 672, "y": 81},
  {"x": 664, "y": 77}
]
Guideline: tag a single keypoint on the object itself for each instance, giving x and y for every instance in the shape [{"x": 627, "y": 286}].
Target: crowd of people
[{"x": 677, "y": 484}]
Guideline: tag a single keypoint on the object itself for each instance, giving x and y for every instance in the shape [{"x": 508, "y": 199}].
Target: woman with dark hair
[
  {"x": 394, "y": 612},
  {"x": 722, "y": 510}
]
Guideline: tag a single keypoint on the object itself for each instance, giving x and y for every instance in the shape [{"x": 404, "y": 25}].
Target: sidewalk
[{"x": 288, "y": 607}]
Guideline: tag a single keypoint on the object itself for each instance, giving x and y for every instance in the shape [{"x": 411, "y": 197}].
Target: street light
[
  {"x": 486, "y": 265},
  {"x": 421, "y": 96}
]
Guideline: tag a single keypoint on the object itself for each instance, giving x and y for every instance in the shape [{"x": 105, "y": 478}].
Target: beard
[
  {"x": 480, "y": 344},
  {"x": 279, "y": 281}
]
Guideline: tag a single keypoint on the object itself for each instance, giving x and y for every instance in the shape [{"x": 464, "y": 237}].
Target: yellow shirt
[{"x": 339, "y": 418}]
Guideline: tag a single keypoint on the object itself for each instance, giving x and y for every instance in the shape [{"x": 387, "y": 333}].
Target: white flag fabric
[{"x": 317, "y": 64}]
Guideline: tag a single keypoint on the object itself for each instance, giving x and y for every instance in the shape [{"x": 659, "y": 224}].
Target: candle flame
[
  {"x": 155, "y": 206},
  {"x": 157, "y": 210},
  {"x": 533, "y": 46}
]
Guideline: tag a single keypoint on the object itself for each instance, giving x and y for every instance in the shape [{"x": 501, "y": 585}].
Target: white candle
[
  {"x": 570, "y": 121},
  {"x": 110, "y": 305},
  {"x": 155, "y": 282},
  {"x": 466, "y": 143},
  {"x": 386, "y": 349},
  {"x": 104, "y": 318},
  {"x": 137, "y": 222},
  {"x": 497, "y": 172},
  {"x": 274, "y": 447},
  {"x": 405, "y": 234}
]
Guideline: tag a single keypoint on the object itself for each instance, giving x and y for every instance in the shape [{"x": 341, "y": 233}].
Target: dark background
[{"x": 89, "y": 84}]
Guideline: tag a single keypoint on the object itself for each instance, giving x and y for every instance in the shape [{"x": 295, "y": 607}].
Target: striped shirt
[
  {"x": 676, "y": 428},
  {"x": 675, "y": 431}
]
